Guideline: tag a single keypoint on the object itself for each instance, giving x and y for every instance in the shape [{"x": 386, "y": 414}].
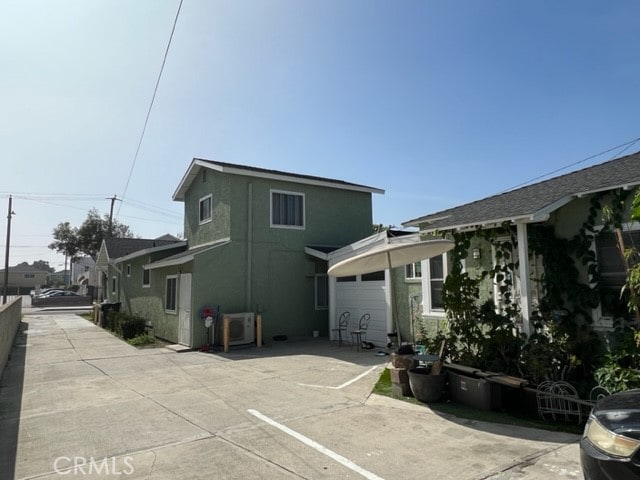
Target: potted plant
[
  {"x": 403, "y": 357},
  {"x": 427, "y": 383}
]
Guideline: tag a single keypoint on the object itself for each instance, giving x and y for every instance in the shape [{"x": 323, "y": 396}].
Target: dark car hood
[{"x": 620, "y": 413}]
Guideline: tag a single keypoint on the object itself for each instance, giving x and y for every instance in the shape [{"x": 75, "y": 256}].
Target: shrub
[
  {"x": 125, "y": 325},
  {"x": 621, "y": 369}
]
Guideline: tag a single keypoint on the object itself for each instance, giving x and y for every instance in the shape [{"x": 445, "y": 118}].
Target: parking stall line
[
  {"x": 345, "y": 384},
  {"x": 316, "y": 446}
]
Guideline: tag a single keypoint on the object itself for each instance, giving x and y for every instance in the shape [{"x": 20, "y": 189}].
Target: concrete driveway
[{"x": 77, "y": 402}]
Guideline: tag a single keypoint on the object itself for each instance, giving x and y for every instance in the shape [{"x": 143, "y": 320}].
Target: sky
[{"x": 439, "y": 103}]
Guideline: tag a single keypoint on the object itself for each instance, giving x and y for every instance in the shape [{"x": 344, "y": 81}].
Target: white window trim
[
  {"x": 426, "y": 287},
  {"x": 114, "y": 285},
  {"x": 205, "y": 220},
  {"x": 175, "y": 297},
  {"x": 304, "y": 210},
  {"x": 413, "y": 277},
  {"x": 601, "y": 322}
]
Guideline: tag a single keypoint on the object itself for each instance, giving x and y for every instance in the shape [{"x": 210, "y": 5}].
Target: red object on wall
[{"x": 207, "y": 312}]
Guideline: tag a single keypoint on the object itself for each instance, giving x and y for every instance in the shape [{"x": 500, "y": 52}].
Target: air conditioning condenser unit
[{"x": 242, "y": 328}]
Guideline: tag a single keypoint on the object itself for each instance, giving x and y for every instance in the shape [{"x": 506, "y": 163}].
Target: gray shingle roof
[
  {"x": 537, "y": 199},
  {"x": 236, "y": 169},
  {"x": 120, "y": 247}
]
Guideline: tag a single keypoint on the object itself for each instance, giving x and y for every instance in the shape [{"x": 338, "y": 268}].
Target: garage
[{"x": 362, "y": 294}]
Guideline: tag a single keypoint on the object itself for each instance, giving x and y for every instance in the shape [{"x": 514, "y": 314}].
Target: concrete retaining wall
[{"x": 10, "y": 315}]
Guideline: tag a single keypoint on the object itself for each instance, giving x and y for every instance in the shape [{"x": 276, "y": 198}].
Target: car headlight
[{"x": 609, "y": 442}]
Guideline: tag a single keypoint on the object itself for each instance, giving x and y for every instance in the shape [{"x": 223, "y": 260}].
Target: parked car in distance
[
  {"x": 58, "y": 293},
  {"x": 610, "y": 445},
  {"x": 43, "y": 291}
]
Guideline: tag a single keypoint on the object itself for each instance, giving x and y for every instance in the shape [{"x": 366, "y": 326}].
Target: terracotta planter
[
  {"x": 402, "y": 361},
  {"x": 426, "y": 387}
]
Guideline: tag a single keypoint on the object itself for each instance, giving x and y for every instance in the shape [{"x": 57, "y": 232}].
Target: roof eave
[
  {"x": 196, "y": 163},
  {"x": 147, "y": 251}
]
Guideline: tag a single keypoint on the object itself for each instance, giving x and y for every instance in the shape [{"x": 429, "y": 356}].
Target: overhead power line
[
  {"x": 146, "y": 120},
  {"x": 626, "y": 145}
]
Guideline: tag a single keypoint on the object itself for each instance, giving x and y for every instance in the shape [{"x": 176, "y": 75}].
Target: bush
[
  {"x": 621, "y": 369},
  {"x": 125, "y": 325}
]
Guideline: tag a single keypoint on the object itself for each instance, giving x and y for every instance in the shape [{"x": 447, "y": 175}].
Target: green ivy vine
[{"x": 562, "y": 343}]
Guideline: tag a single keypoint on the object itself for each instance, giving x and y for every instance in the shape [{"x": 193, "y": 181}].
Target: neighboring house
[
  {"x": 119, "y": 266},
  {"x": 81, "y": 271},
  {"x": 247, "y": 229},
  {"x": 571, "y": 208},
  {"x": 23, "y": 279}
]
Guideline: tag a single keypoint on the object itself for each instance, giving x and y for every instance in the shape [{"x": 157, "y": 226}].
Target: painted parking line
[
  {"x": 345, "y": 384},
  {"x": 316, "y": 446}
]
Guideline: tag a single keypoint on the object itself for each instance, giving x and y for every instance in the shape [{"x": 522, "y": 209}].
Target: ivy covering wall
[{"x": 481, "y": 298}]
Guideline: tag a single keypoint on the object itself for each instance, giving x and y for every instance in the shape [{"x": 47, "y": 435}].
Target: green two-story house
[{"x": 246, "y": 230}]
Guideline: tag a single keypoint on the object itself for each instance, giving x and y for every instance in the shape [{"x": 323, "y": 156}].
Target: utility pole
[
  {"x": 110, "y": 231},
  {"x": 6, "y": 254}
]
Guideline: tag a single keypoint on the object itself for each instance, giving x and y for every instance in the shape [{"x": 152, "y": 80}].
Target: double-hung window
[
  {"x": 432, "y": 283},
  {"x": 613, "y": 275},
  {"x": 171, "y": 294},
  {"x": 204, "y": 209},
  {"x": 287, "y": 209}
]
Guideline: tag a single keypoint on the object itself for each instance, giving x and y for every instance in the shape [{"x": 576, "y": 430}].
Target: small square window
[
  {"x": 413, "y": 270},
  {"x": 287, "y": 209}
]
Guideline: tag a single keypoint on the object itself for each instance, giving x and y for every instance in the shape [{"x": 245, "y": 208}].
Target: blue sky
[{"x": 437, "y": 102}]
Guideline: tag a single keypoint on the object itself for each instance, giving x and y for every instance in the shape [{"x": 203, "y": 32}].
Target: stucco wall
[
  {"x": 264, "y": 269},
  {"x": 10, "y": 315}
]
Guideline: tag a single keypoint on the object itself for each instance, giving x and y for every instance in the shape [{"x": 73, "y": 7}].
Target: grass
[
  {"x": 141, "y": 340},
  {"x": 383, "y": 387}
]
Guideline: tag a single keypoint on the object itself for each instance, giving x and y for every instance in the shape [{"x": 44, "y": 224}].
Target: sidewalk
[{"x": 73, "y": 393}]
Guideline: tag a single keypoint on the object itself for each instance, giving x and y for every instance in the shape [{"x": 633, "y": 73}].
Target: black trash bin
[{"x": 107, "y": 307}]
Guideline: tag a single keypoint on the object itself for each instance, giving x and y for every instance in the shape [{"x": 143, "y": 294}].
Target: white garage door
[{"x": 360, "y": 297}]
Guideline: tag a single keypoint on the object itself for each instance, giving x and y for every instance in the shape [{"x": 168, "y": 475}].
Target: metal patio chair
[
  {"x": 343, "y": 324},
  {"x": 360, "y": 335}
]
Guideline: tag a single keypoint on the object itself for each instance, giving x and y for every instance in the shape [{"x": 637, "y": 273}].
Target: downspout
[
  {"x": 249, "y": 244},
  {"x": 525, "y": 278}
]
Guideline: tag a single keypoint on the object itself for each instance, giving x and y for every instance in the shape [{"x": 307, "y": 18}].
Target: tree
[
  {"x": 43, "y": 265},
  {"x": 88, "y": 237},
  {"x": 38, "y": 264},
  {"x": 66, "y": 240}
]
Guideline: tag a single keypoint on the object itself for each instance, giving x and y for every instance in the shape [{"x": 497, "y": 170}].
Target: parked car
[
  {"x": 43, "y": 291},
  {"x": 49, "y": 292},
  {"x": 610, "y": 445},
  {"x": 59, "y": 293}
]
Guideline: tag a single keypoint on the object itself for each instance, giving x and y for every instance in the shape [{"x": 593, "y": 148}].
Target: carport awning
[
  {"x": 186, "y": 257},
  {"x": 320, "y": 251}
]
